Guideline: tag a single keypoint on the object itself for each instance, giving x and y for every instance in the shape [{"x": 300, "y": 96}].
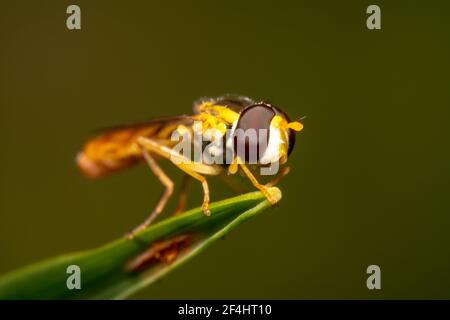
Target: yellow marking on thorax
[{"x": 216, "y": 116}]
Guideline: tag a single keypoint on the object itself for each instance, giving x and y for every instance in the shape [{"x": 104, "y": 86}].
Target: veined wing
[{"x": 116, "y": 148}]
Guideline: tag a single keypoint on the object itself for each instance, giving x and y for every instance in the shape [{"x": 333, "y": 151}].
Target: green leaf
[{"x": 113, "y": 272}]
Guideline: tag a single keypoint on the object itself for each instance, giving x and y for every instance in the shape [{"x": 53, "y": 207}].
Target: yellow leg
[
  {"x": 261, "y": 187},
  {"x": 202, "y": 179},
  {"x": 165, "y": 180},
  {"x": 191, "y": 168},
  {"x": 182, "y": 196}
]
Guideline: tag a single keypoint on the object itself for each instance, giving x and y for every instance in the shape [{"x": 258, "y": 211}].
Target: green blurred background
[{"x": 370, "y": 173}]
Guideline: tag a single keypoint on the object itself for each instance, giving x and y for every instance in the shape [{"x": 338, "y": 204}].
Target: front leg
[{"x": 264, "y": 189}]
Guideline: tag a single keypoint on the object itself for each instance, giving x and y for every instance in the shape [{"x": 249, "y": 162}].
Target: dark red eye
[
  {"x": 291, "y": 142},
  {"x": 253, "y": 118},
  {"x": 256, "y": 117}
]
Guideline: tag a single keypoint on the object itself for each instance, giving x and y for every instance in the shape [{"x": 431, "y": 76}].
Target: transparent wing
[{"x": 116, "y": 148}]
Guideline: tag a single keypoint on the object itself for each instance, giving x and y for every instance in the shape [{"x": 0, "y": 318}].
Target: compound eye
[
  {"x": 291, "y": 143},
  {"x": 251, "y": 136}
]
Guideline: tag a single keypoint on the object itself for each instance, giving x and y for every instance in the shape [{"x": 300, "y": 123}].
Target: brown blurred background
[{"x": 370, "y": 173}]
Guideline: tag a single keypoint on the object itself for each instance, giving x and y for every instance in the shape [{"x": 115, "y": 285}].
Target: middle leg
[{"x": 193, "y": 169}]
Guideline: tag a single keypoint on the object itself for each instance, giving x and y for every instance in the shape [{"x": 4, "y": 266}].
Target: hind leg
[{"x": 182, "y": 195}]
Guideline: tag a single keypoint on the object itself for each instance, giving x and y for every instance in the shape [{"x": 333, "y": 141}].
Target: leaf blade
[{"x": 104, "y": 275}]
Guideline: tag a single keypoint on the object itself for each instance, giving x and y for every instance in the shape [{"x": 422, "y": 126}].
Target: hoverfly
[{"x": 120, "y": 147}]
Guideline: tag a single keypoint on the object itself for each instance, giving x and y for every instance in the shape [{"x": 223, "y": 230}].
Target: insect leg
[
  {"x": 181, "y": 203},
  {"x": 185, "y": 164},
  {"x": 261, "y": 187},
  {"x": 165, "y": 180},
  {"x": 202, "y": 179}
]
